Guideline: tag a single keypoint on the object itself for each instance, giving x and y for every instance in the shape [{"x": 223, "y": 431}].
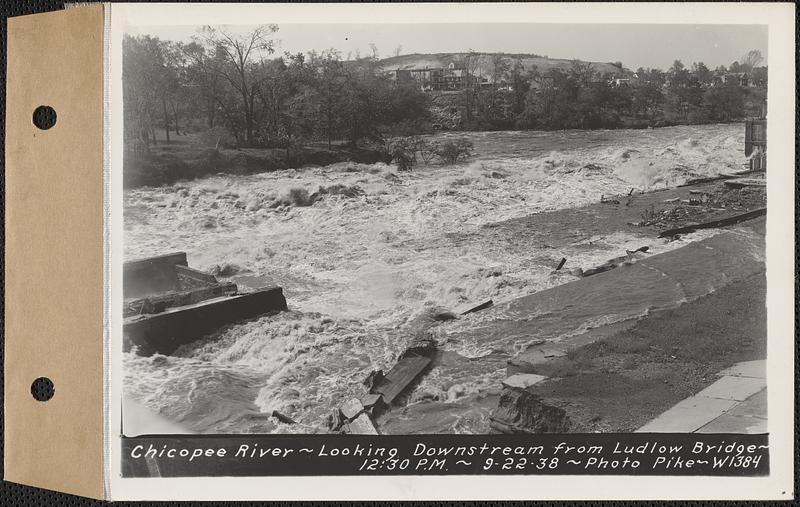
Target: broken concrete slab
[
  {"x": 733, "y": 388},
  {"x": 371, "y": 400},
  {"x": 523, "y": 380},
  {"x": 351, "y": 409},
  {"x": 728, "y": 423},
  {"x": 520, "y": 411},
  {"x": 755, "y": 369},
  {"x": 152, "y": 275},
  {"x": 688, "y": 415},
  {"x": 749, "y": 416},
  {"x": 164, "y": 332},
  {"x": 582, "y": 307},
  {"x": 362, "y": 425}
]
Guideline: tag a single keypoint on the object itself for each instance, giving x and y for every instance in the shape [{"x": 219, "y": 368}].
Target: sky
[{"x": 635, "y": 45}]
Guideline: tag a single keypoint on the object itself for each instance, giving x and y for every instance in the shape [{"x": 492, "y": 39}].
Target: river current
[{"x": 362, "y": 266}]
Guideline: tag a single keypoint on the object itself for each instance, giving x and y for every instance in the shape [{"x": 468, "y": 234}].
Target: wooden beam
[
  {"x": 400, "y": 377},
  {"x": 715, "y": 223}
]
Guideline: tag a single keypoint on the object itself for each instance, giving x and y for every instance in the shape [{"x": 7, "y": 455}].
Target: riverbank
[
  {"x": 186, "y": 159},
  {"x": 608, "y": 352},
  {"x": 191, "y": 156},
  {"x": 368, "y": 263}
]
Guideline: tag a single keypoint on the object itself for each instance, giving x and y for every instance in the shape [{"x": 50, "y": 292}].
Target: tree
[
  {"x": 469, "y": 64},
  {"x": 234, "y": 64},
  {"x": 702, "y": 73},
  {"x": 724, "y": 103},
  {"x": 149, "y": 81},
  {"x": 520, "y": 85},
  {"x": 751, "y": 60},
  {"x": 329, "y": 88}
]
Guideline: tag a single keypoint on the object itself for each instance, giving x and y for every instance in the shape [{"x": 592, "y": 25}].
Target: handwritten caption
[{"x": 687, "y": 455}]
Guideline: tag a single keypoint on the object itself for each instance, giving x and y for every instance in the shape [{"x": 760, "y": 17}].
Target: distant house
[
  {"x": 451, "y": 77},
  {"x": 740, "y": 78}
]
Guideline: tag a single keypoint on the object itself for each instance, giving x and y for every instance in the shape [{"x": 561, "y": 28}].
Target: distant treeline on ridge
[{"x": 232, "y": 90}]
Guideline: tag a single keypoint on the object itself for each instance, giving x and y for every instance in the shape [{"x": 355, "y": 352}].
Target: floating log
[
  {"x": 400, "y": 377},
  {"x": 164, "y": 332},
  {"x": 481, "y": 306},
  {"x": 715, "y": 223}
]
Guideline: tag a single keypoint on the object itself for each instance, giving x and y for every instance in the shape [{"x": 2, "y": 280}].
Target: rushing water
[{"x": 361, "y": 271}]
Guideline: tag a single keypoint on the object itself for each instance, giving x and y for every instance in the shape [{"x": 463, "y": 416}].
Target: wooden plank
[
  {"x": 482, "y": 306},
  {"x": 164, "y": 332},
  {"x": 400, "y": 377},
  {"x": 715, "y": 223}
]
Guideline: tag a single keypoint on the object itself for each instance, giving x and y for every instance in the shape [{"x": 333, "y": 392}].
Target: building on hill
[{"x": 452, "y": 77}]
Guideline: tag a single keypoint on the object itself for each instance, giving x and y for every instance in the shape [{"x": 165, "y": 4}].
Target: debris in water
[
  {"x": 283, "y": 418},
  {"x": 481, "y": 306}
]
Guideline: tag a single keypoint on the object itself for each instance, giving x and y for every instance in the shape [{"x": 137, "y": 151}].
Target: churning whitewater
[{"x": 377, "y": 251}]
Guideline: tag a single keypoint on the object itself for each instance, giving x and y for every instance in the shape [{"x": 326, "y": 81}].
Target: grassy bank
[
  {"x": 186, "y": 158},
  {"x": 619, "y": 383}
]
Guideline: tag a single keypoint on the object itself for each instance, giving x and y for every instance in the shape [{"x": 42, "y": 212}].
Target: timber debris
[
  {"x": 629, "y": 257},
  {"x": 482, "y": 306},
  {"x": 714, "y": 224},
  {"x": 356, "y": 415}
]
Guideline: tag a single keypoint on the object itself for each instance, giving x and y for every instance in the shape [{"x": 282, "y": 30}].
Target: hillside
[{"x": 440, "y": 60}]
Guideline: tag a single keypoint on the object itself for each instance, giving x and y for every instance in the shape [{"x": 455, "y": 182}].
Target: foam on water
[{"x": 360, "y": 264}]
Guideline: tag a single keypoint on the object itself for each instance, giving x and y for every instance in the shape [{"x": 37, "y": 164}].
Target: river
[{"x": 363, "y": 266}]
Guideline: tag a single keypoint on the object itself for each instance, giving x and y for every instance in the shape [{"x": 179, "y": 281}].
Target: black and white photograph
[{"x": 444, "y": 228}]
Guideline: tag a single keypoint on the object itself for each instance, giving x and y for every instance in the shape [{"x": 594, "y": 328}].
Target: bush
[
  {"x": 452, "y": 150},
  {"x": 403, "y": 152}
]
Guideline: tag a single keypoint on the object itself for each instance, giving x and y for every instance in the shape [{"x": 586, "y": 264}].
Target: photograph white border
[{"x": 780, "y": 261}]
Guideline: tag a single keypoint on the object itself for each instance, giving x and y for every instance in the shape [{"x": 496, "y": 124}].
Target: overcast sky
[{"x": 635, "y": 45}]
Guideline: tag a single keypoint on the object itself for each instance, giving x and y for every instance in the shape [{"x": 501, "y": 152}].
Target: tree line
[
  {"x": 236, "y": 91},
  {"x": 233, "y": 86},
  {"x": 581, "y": 98}
]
